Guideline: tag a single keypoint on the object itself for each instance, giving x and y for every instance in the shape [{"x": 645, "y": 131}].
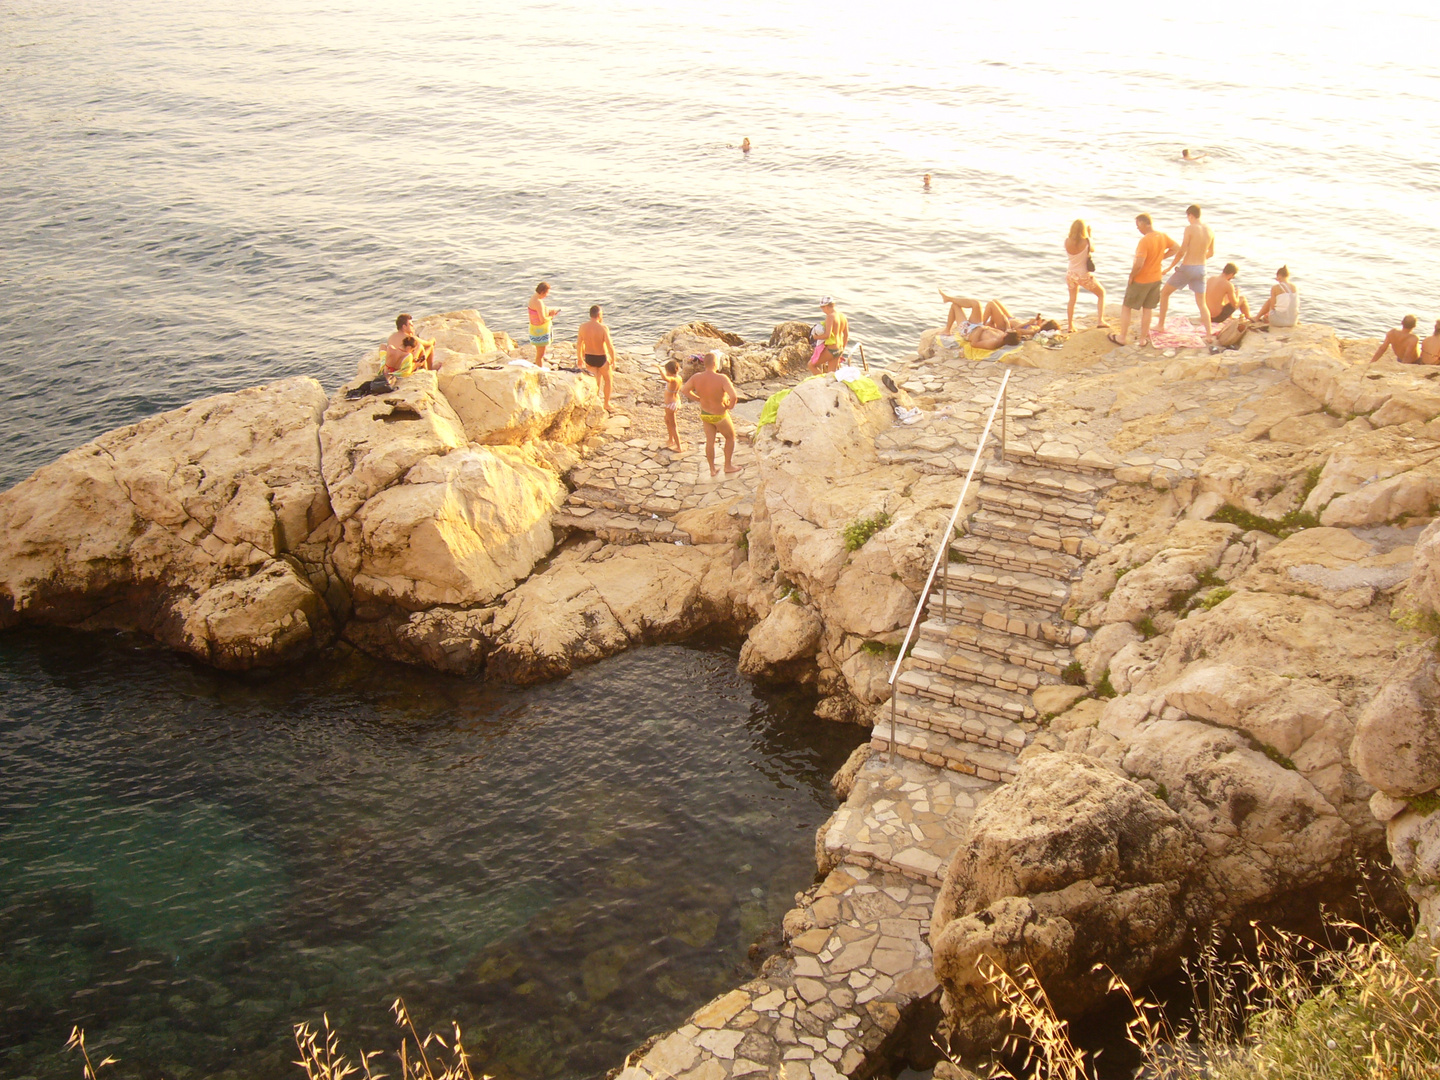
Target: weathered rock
[
  {"x": 369, "y": 443},
  {"x": 459, "y": 530},
  {"x": 1191, "y": 548},
  {"x": 1397, "y": 738},
  {"x": 844, "y": 778},
  {"x": 582, "y": 609},
  {"x": 1095, "y": 655},
  {"x": 790, "y": 632},
  {"x": 1068, "y": 866},
  {"x": 159, "y": 526},
  {"x": 518, "y": 405}
]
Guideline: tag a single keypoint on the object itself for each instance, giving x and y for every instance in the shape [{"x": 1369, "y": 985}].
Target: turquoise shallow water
[{"x": 189, "y": 862}]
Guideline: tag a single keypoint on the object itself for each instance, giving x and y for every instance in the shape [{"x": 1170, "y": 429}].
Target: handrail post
[{"x": 1004, "y": 417}]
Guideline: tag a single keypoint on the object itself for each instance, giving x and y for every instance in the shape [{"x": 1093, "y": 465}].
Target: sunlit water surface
[
  {"x": 201, "y": 195},
  {"x": 189, "y": 862}
]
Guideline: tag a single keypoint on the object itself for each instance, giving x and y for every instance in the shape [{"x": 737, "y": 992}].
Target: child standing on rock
[{"x": 672, "y": 402}]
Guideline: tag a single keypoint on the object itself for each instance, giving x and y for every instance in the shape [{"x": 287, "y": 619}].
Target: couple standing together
[{"x": 593, "y": 345}]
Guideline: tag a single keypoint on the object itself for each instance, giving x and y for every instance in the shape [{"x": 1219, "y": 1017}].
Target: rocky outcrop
[
  {"x": 245, "y": 529},
  {"x": 788, "y": 350},
  {"x": 1068, "y": 867},
  {"x": 1397, "y": 746},
  {"x": 595, "y": 600},
  {"x": 208, "y": 528}
]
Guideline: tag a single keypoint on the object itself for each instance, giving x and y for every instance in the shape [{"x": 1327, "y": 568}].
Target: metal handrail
[{"x": 942, "y": 556}]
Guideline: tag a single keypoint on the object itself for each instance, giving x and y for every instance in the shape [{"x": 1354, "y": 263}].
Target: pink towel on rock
[{"x": 1179, "y": 333}]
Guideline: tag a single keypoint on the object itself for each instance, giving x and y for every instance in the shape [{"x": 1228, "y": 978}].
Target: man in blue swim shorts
[{"x": 1197, "y": 245}]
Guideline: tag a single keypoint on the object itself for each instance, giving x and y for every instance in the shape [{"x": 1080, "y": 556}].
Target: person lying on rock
[
  {"x": 716, "y": 395},
  {"x": 990, "y": 327},
  {"x": 421, "y": 353},
  {"x": 1403, "y": 341}
]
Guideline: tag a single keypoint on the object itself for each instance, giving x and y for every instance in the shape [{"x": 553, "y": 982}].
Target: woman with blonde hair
[{"x": 1080, "y": 274}]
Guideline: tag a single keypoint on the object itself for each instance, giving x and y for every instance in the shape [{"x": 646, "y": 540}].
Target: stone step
[
  {"x": 1020, "y": 651},
  {"x": 627, "y": 500},
  {"x": 945, "y": 752},
  {"x": 1000, "y": 616},
  {"x": 990, "y": 700},
  {"x": 984, "y": 730},
  {"x": 1007, "y": 555},
  {"x": 1074, "y": 540},
  {"x": 616, "y": 527},
  {"x": 963, "y": 663},
  {"x": 1011, "y": 586},
  {"x": 1020, "y": 504},
  {"x": 1050, "y": 459},
  {"x": 1048, "y": 483},
  {"x": 905, "y": 817}
]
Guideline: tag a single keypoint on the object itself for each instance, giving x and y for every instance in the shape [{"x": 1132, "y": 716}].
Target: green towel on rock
[
  {"x": 772, "y": 406},
  {"x": 865, "y": 389}
]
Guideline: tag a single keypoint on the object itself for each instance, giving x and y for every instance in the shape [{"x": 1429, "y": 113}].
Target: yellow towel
[{"x": 972, "y": 353}]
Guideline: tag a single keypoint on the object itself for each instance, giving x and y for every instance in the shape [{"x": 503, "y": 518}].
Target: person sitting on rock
[
  {"x": 420, "y": 353},
  {"x": 1222, "y": 298},
  {"x": 1403, "y": 341},
  {"x": 716, "y": 395},
  {"x": 403, "y": 361},
  {"x": 1283, "y": 307},
  {"x": 1430, "y": 347}
]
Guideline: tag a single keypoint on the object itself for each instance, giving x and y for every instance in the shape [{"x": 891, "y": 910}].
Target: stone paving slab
[
  {"x": 860, "y": 959},
  {"x": 904, "y": 817}
]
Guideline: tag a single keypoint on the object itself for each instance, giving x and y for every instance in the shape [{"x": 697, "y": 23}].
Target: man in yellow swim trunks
[{"x": 716, "y": 395}]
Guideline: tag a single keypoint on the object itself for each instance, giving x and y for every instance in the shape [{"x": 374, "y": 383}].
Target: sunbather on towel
[{"x": 990, "y": 327}]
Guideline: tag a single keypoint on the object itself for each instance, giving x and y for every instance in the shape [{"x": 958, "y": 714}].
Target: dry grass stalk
[
  {"x": 76, "y": 1041},
  {"x": 1299, "y": 1010},
  {"x": 322, "y": 1059}
]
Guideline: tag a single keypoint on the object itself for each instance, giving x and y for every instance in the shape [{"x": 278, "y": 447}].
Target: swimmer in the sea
[
  {"x": 926, "y": 183},
  {"x": 1193, "y": 155},
  {"x": 745, "y": 145}
]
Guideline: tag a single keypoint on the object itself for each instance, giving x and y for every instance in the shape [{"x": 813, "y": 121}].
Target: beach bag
[
  {"x": 1090, "y": 263},
  {"x": 1232, "y": 333},
  {"x": 815, "y": 356}
]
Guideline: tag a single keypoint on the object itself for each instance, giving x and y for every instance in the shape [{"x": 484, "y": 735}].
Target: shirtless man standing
[
  {"x": 597, "y": 351},
  {"x": 1197, "y": 245},
  {"x": 716, "y": 395},
  {"x": 1221, "y": 299},
  {"x": 396, "y": 351},
  {"x": 1403, "y": 341}
]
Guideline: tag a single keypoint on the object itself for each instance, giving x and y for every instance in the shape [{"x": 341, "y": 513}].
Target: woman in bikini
[
  {"x": 1080, "y": 274},
  {"x": 540, "y": 321}
]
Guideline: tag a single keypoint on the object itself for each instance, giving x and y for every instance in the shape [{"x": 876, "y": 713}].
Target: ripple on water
[{"x": 191, "y": 861}]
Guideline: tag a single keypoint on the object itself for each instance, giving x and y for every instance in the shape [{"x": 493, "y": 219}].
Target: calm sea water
[
  {"x": 200, "y": 195},
  {"x": 190, "y": 862}
]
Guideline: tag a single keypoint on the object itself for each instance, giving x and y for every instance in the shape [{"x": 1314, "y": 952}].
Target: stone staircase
[{"x": 996, "y": 631}]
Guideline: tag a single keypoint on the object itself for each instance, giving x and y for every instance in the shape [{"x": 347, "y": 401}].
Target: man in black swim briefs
[{"x": 596, "y": 349}]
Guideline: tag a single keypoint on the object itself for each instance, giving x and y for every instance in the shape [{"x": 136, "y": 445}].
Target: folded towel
[{"x": 770, "y": 408}]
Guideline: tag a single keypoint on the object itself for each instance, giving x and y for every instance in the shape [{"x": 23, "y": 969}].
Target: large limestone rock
[
  {"x": 789, "y": 633},
  {"x": 518, "y": 405},
  {"x": 207, "y": 527},
  {"x": 1397, "y": 740},
  {"x": 460, "y": 529},
  {"x": 1067, "y": 867},
  {"x": 367, "y": 444},
  {"x": 821, "y": 474},
  {"x": 595, "y": 601}
]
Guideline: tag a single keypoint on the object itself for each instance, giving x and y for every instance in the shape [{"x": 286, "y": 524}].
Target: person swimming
[
  {"x": 1193, "y": 155},
  {"x": 745, "y": 145},
  {"x": 926, "y": 182}
]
